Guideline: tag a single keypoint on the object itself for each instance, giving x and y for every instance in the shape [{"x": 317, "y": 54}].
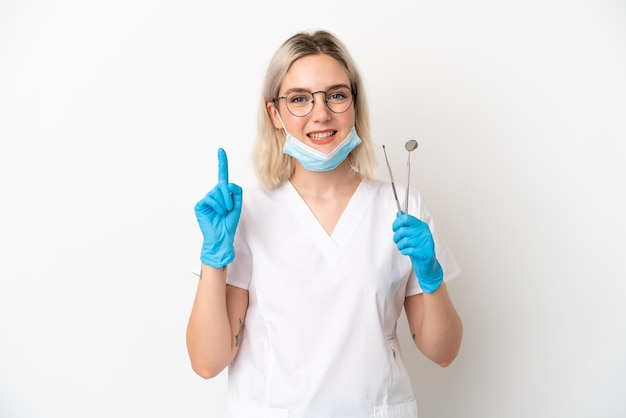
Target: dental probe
[{"x": 393, "y": 186}]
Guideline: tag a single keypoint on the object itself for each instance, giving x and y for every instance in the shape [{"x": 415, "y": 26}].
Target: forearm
[
  {"x": 209, "y": 331},
  {"x": 441, "y": 330}
]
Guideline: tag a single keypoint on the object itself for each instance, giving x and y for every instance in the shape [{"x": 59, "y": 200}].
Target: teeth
[{"x": 320, "y": 136}]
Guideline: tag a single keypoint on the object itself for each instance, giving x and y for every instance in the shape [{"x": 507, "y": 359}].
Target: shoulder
[
  {"x": 257, "y": 198},
  {"x": 385, "y": 195},
  {"x": 377, "y": 186},
  {"x": 256, "y": 191}
]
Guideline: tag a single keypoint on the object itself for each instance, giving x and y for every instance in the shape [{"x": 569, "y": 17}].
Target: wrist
[
  {"x": 210, "y": 275},
  {"x": 215, "y": 262},
  {"x": 430, "y": 277},
  {"x": 217, "y": 256}
]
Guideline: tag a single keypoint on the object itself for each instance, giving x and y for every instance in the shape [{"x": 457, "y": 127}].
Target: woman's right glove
[{"x": 218, "y": 215}]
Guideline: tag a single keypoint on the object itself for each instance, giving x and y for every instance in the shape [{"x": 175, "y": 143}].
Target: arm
[
  {"x": 433, "y": 320},
  {"x": 216, "y": 322},
  {"x": 435, "y": 325}
]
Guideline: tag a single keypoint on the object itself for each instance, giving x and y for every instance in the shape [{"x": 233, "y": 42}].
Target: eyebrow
[{"x": 300, "y": 89}]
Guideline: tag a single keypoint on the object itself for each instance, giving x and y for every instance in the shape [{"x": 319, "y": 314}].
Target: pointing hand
[{"x": 218, "y": 215}]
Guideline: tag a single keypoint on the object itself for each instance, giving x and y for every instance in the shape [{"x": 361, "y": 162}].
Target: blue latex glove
[
  {"x": 218, "y": 215},
  {"x": 414, "y": 239}
]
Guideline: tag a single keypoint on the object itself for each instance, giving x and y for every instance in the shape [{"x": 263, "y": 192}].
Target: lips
[{"x": 322, "y": 137}]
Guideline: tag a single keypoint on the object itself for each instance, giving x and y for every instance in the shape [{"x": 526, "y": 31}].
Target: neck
[{"x": 328, "y": 183}]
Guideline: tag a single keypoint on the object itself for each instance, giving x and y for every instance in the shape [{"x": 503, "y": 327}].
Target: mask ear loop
[{"x": 281, "y": 120}]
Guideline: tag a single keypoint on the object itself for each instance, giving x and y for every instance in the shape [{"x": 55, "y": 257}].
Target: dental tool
[
  {"x": 410, "y": 145},
  {"x": 393, "y": 186}
]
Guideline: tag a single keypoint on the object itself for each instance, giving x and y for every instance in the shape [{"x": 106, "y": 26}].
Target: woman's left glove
[
  {"x": 413, "y": 239},
  {"x": 218, "y": 215}
]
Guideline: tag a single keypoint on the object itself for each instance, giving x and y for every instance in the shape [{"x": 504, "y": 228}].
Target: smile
[{"x": 320, "y": 136}]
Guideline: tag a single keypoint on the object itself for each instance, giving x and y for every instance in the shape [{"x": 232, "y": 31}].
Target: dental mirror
[{"x": 410, "y": 145}]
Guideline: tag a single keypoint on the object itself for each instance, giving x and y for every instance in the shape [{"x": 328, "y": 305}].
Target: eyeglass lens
[{"x": 300, "y": 103}]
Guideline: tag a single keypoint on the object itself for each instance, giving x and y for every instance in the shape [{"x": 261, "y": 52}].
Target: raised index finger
[{"x": 222, "y": 166}]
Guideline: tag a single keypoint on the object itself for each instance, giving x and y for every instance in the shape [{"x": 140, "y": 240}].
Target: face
[{"x": 321, "y": 129}]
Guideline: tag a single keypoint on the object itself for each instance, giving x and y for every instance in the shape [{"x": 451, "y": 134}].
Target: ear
[{"x": 273, "y": 114}]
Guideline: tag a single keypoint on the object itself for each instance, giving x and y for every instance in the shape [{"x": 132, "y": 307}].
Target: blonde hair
[{"x": 271, "y": 165}]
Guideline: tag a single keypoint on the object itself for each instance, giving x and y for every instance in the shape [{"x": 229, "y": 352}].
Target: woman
[{"x": 316, "y": 261}]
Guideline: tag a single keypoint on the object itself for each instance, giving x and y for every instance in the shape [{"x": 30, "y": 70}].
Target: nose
[{"x": 320, "y": 108}]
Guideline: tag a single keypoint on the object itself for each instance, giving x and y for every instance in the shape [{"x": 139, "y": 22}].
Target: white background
[{"x": 110, "y": 117}]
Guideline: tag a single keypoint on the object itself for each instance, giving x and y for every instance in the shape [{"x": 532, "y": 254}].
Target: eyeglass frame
[{"x": 353, "y": 92}]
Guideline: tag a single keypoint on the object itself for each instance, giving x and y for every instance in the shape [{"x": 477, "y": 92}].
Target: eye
[
  {"x": 338, "y": 95},
  {"x": 299, "y": 98}
]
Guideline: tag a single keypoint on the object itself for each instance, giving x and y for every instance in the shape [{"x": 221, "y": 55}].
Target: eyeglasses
[{"x": 300, "y": 102}]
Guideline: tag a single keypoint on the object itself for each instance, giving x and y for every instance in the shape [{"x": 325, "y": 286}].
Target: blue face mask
[{"x": 314, "y": 160}]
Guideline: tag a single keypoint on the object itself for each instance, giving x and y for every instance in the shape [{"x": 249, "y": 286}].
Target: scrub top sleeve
[
  {"x": 448, "y": 263},
  {"x": 445, "y": 257},
  {"x": 239, "y": 271},
  {"x": 412, "y": 286},
  {"x": 195, "y": 270}
]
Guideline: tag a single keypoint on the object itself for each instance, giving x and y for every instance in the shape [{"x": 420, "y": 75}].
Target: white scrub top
[{"x": 319, "y": 338}]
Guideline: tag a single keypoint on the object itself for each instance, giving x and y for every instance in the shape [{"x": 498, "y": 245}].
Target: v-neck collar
[{"x": 331, "y": 245}]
